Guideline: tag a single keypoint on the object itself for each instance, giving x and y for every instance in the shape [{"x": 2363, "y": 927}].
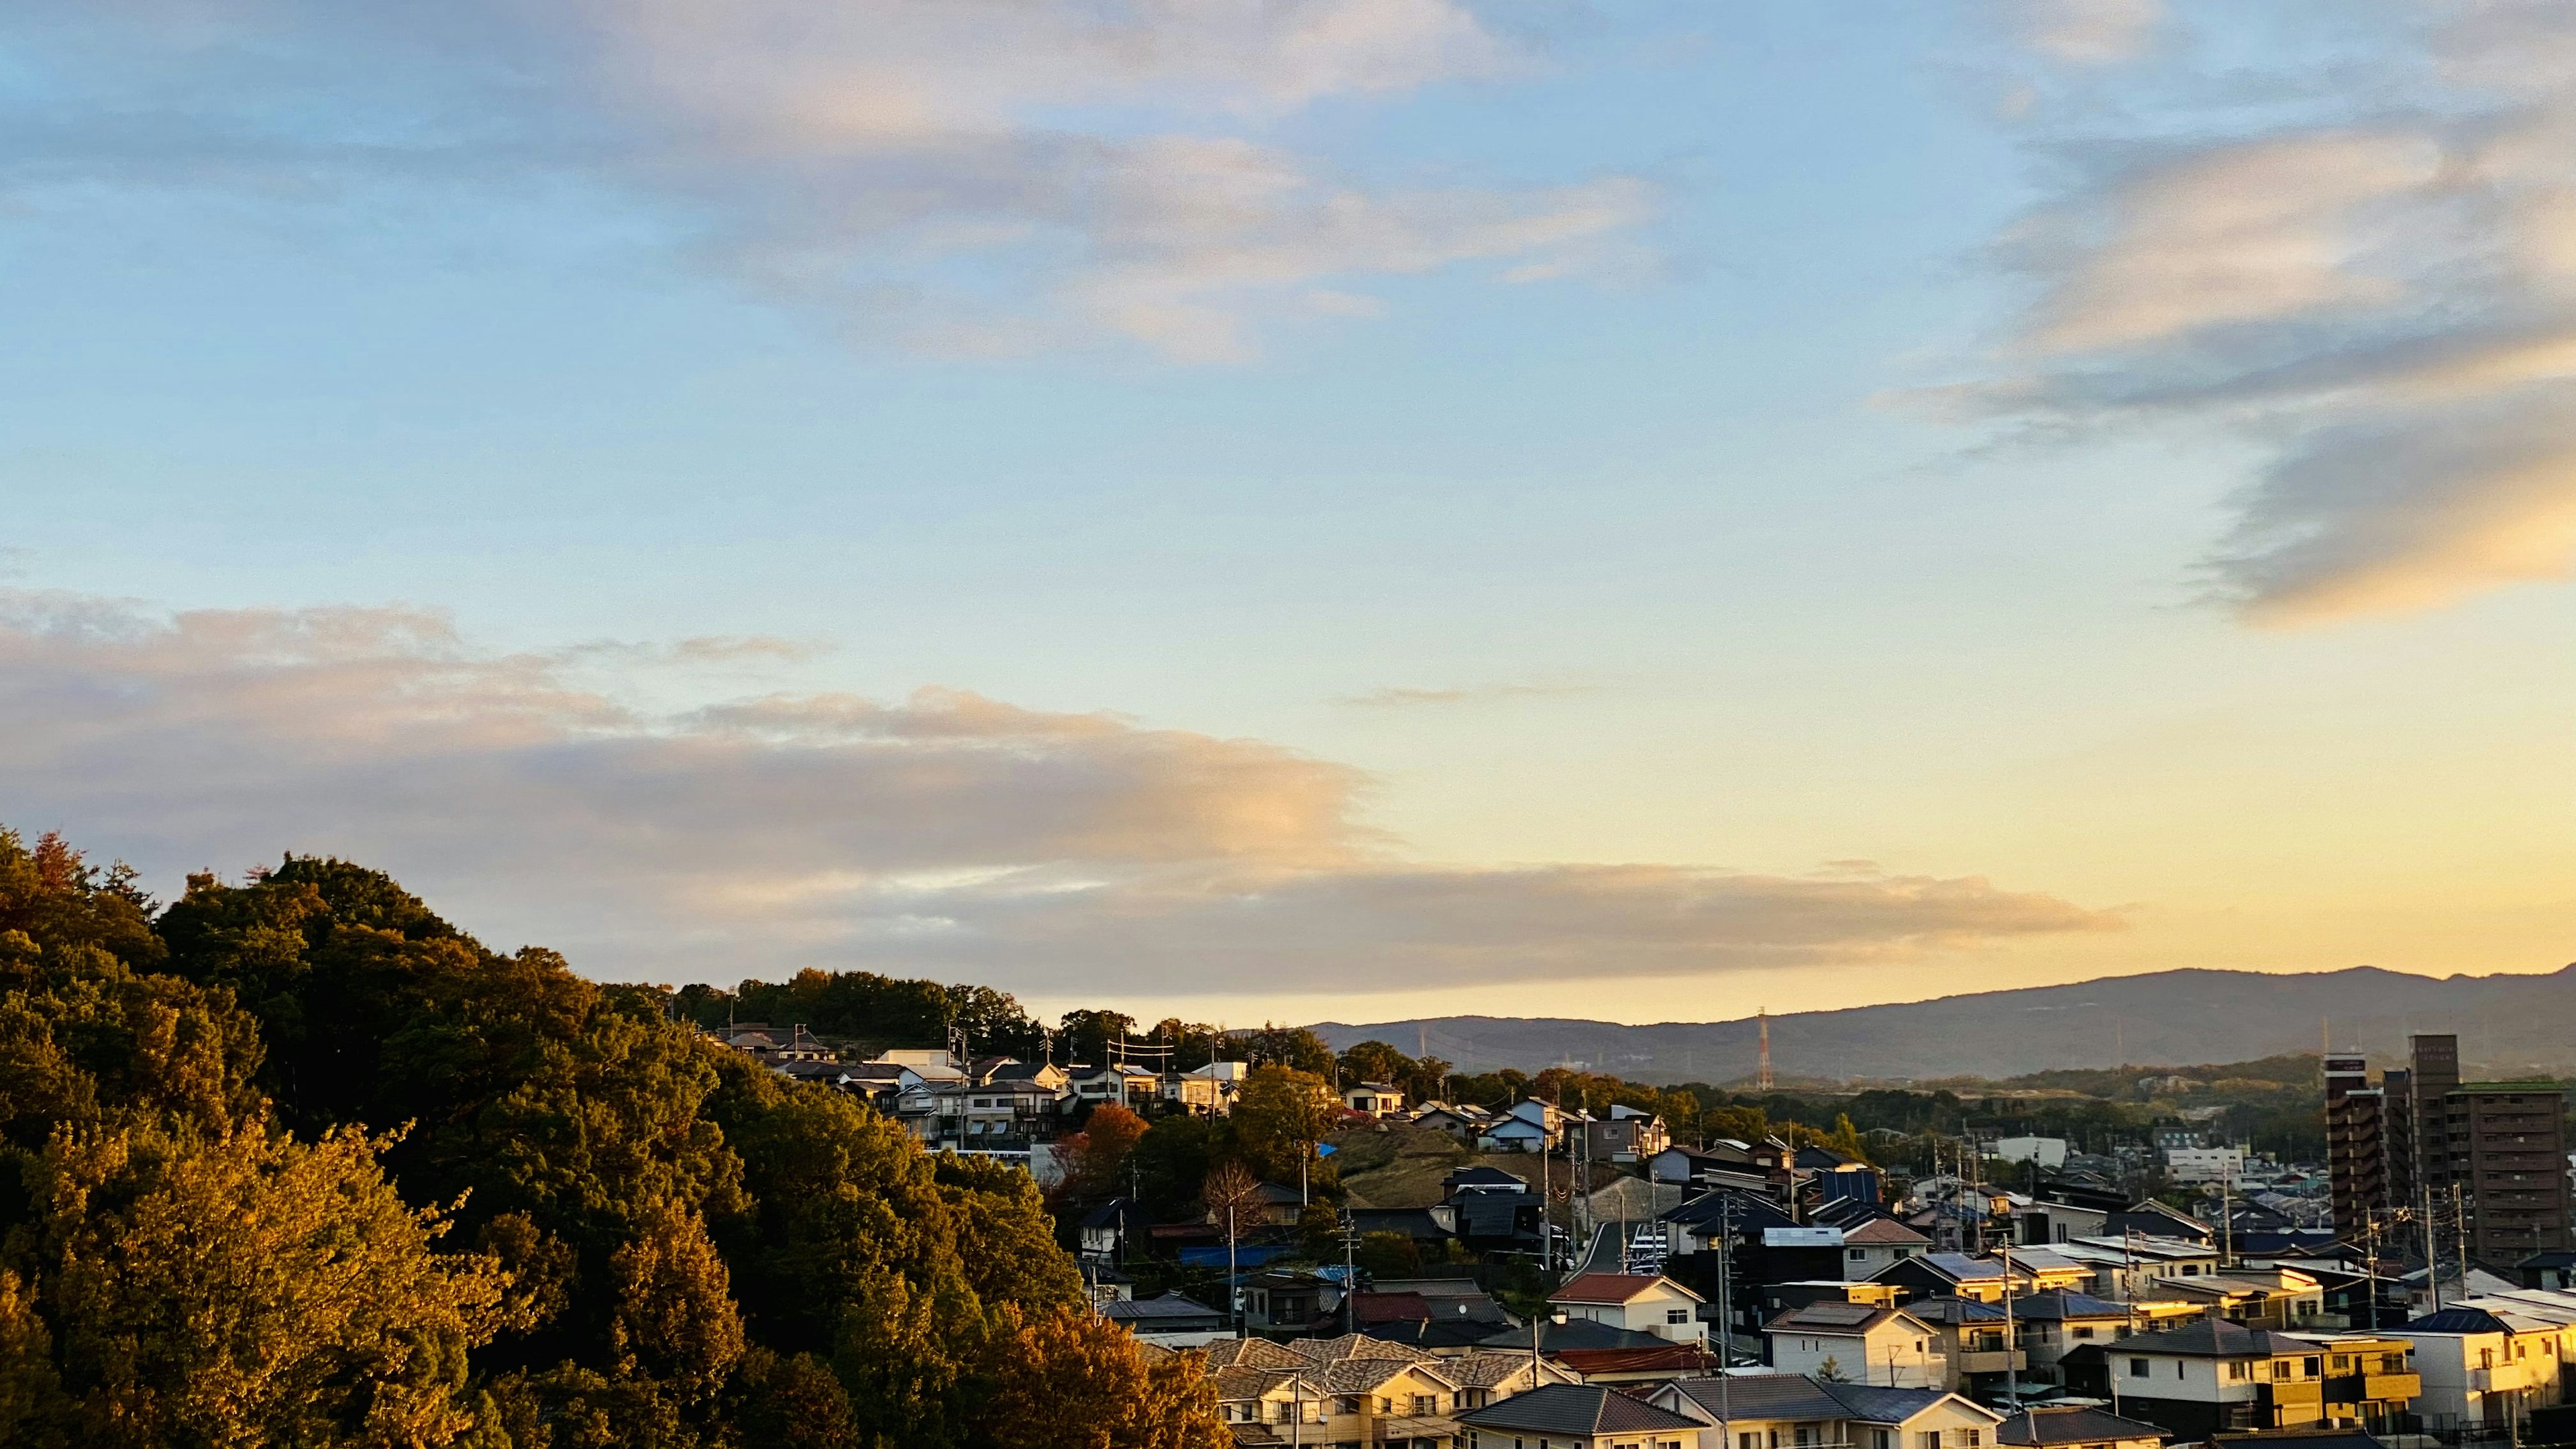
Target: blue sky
[{"x": 1660, "y": 505}]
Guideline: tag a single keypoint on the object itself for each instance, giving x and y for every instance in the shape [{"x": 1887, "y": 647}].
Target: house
[
  {"x": 1378, "y": 1099},
  {"x": 1956, "y": 1275},
  {"x": 1860, "y": 1342},
  {"x": 1528, "y": 1127},
  {"x": 2213, "y": 1375},
  {"x": 1357, "y": 1390},
  {"x": 2056, "y": 1323},
  {"x": 1640, "y": 1303},
  {"x": 1625, "y": 1135},
  {"x": 1107, "y": 1231},
  {"x": 2048, "y": 1152},
  {"x": 1290, "y": 1301},
  {"x": 1171, "y": 1320},
  {"x": 1578, "y": 1416},
  {"x": 1126, "y": 1085},
  {"x": 2481, "y": 1367},
  {"x": 2128, "y": 1268},
  {"x": 1207, "y": 1091},
  {"x": 1780, "y": 1411},
  {"x": 1980, "y": 1341},
  {"x": 1461, "y": 1123},
  {"x": 1634, "y": 1366},
  {"x": 1272, "y": 1205},
  {"x": 1877, "y": 1244},
  {"x": 2076, "y": 1427},
  {"x": 2281, "y": 1298}
]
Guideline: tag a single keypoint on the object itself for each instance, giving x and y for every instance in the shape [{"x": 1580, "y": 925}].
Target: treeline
[{"x": 296, "y": 1162}]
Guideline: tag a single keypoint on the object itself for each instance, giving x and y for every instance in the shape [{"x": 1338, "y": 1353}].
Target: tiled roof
[
  {"x": 1890, "y": 1406},
  {"x": 1356, "y": 1345},
  {"x": 1254, "y": 1353},
  {"x": 1387, "y": 1307},
  {"x": 1833, "y": 1316},
  {"x": 1610, "y": 1287},
  {"x": 1761, "y": 1396},
  {"x": 2216, "y": 1338},
  {"x": 1574, "y": 1409},
  {"x": 1883, "y": 1232},
  {"x": 2071, "y": 1426},
  {"x": 1672, "y": 1358},
  {"x": 2455, "y": 1320},
  {"x": 1484, "y": 1370}
]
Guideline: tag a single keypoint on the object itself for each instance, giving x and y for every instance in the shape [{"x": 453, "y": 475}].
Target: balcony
[
  {"x": 2390, "y": 1388},
  {"x": 2503, "y": 1378},
  {"x": 1991, "y": 1361},
  {"x": 2291, "y": 1403}
]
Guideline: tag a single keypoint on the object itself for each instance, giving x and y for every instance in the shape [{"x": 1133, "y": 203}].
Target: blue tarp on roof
[{"x": 1249, "y": 1255}]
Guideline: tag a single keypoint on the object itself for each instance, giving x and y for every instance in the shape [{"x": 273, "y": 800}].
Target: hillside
[{"x": 2506, "y": 1024}]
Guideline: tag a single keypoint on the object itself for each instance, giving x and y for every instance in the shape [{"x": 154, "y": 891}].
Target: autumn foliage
[{"x": 295, "y": 1162}]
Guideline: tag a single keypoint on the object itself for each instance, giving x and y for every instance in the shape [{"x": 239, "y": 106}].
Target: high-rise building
[
  {"x": 2397, "y": 1126},
  {"x": 2436, "y": 1070},
  {"x": 2356, "y": 1144},
  {"x": 2507, "y": 1148}
]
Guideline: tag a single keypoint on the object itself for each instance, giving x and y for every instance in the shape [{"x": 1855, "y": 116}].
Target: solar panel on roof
[{"x": 1838, "y": 1312}]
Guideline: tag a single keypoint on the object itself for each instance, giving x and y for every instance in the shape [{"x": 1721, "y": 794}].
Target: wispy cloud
[
  {"x": 945, "y": 833},
  {"x": 2360, "y": 259},
  {"x": 1405, "y": 698},
  {"x": 981, "y": 176},
  {"x": 2087, "y": 32}
]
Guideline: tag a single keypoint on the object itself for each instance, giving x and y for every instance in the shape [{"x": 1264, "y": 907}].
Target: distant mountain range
[{"x": 2506, "y": 1025}]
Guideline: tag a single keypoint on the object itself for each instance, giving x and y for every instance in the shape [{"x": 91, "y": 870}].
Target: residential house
[
  {"x": 1356, "y": 1390},
  {"x": 2214, "y": 1375},
  {"x": 1783, "y": 1411},
  {"x": 1294, "y": 1302},
  {"x": 1980, "y": 1341},
  {"x": 1625, "y": 1135},
  {"x": 1273, "y": 1206},
  {"x": 2482, "y": 1367},
  {"x": 1878, "y": 1244},
  {"x": 2128, "y": 1269},
  {"x": 1171, "y": 1320},
  {"x": 1578, "y": 1416},
  {"x": 1207, "y": 1091},
  {"x": 1378, "y": 1099},
  {"x": 1107, "y": 1232},
  {"x": 2055, "y": 1323},
  {"x": 1461, "y": 1123},
  {"x": 2076, "y": 1427},
  {"x": 1956, "y": 1275},
  {"x": 1126, "y": 1084},
  {"x": 1859, "y": 1342},
  {"x": 1527, "y": 1127},
  {"x": 2279, "y": 1298},
  {"x": 1639, "y": 1303}
]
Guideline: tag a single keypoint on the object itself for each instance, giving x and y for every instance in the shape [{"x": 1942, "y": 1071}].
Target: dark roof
[
  {"x": 2216, "y": 1338},
  {"x": 1411, "y": 1222},
  {"x": 1886, "y": 1406},
  {"x": 1610, "y": 1287},
  {"x": 2456, "y": 1320},
  {"x": 1956, "y": 1310},
  {"x": 1571, "y": 1409},
  {"x": 1762, "y": 1396},
  {"x": 1671, "y": 1358},
  {"x": 2058, "y": 1303},
  {"x": 2554, "y": 1258},
  {"x": 1835, "y": 1316},
  {"x": 1437, "y": 1333},
  {"x": 2304, "y": 1438},
  {"x": 1572, "y": 1333},
  {"x": 1016, "y": 1071},
  {"x": 1388, "y": 1307},
  {"x": 1483, "y": 1177},
  {"x": 1170, "y": 1307},
  {"x": 1112, "y": 1213},
  {"x": 2071, "y": 1426}
]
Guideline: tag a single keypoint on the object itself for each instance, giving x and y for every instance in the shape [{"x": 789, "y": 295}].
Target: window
[
  {"x": 1346, "y": 1404},
  {"x": 1878, "y": 1439},
  {"x": 2486, "y": 1358},
  {"x": 1677, "y": 1315},
  {"x": 1426, "y": 1404},
  {"x": 1748, "y": 1441},
  {"x": 2236, "y": 1373},
  {"x": 2081, "y": 1332},
  {"x": 2312, "y": 1366},
  {"x": 1858, "y": 1255},
  {"x": 1931, "y": 1439},
  {"x": 1975, "y": 1437},
  {"x": 2137, "y": 1368},
  {"x": 2280, "y": 1369}
]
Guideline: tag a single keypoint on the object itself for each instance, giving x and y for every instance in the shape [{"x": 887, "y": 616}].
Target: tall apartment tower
[
  {"x": 2397, "y": 1128},
  {"x": 2356, "y": 1144},
  {"x": 2436, "y": 1070},
  {"x": 2508, "y": 1152}
]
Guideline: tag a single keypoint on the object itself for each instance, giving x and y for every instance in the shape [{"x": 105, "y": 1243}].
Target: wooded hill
[{"x": 296, "y": 1162}]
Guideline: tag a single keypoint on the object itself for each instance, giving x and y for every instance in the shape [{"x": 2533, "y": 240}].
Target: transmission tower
[{"x": 1762, "y": 1064}]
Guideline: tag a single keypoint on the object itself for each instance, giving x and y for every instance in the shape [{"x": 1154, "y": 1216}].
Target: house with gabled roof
[
  {"x": 1862, "y": 1342},
  {"x": 1578, "y": 1416},
  {"x": 2212, "y": 1375},
  {"x": 1640, "y": 1303},
  {"x": 1760, "y": 1411},
  {"x": 2076, "y": 1427}
]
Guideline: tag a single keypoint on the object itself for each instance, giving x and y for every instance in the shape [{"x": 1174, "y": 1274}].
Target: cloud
[
  {"x": 946, "y": 833},
  {"x": 970, "y": 176},
  {"x": 2369, "y": 275},
  {"x": 1402, "y": 698},
  {"x": 2087, "y": 32}
]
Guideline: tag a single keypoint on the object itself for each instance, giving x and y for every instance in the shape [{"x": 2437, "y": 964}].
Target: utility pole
[
  {"x": 2432, "y": 1257},
  {"x": 2460, "y": 1236},
  {"x": 1726, "y": 1322},
  {"x": 2012, "y": 1376}
]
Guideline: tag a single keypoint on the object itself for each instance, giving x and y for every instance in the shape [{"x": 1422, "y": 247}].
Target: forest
[{"x": 297, "y": 1162}]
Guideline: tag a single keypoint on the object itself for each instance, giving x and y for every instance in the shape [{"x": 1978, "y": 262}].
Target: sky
[{"x": 1301, "y": 509}]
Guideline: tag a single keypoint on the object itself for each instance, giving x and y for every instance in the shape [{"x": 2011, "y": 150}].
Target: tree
[
  {"x": 1066, "y": 1380},
  {"x": 1375, "y": 1061},
  {"x": 1279, "y": 1117},
  {"x": 1096, "y": 1157},
  {"x": 245, "y": 1289},
  {"x": 1388, "y": 1255},
  {"x": 1831, "y": 1371}
]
